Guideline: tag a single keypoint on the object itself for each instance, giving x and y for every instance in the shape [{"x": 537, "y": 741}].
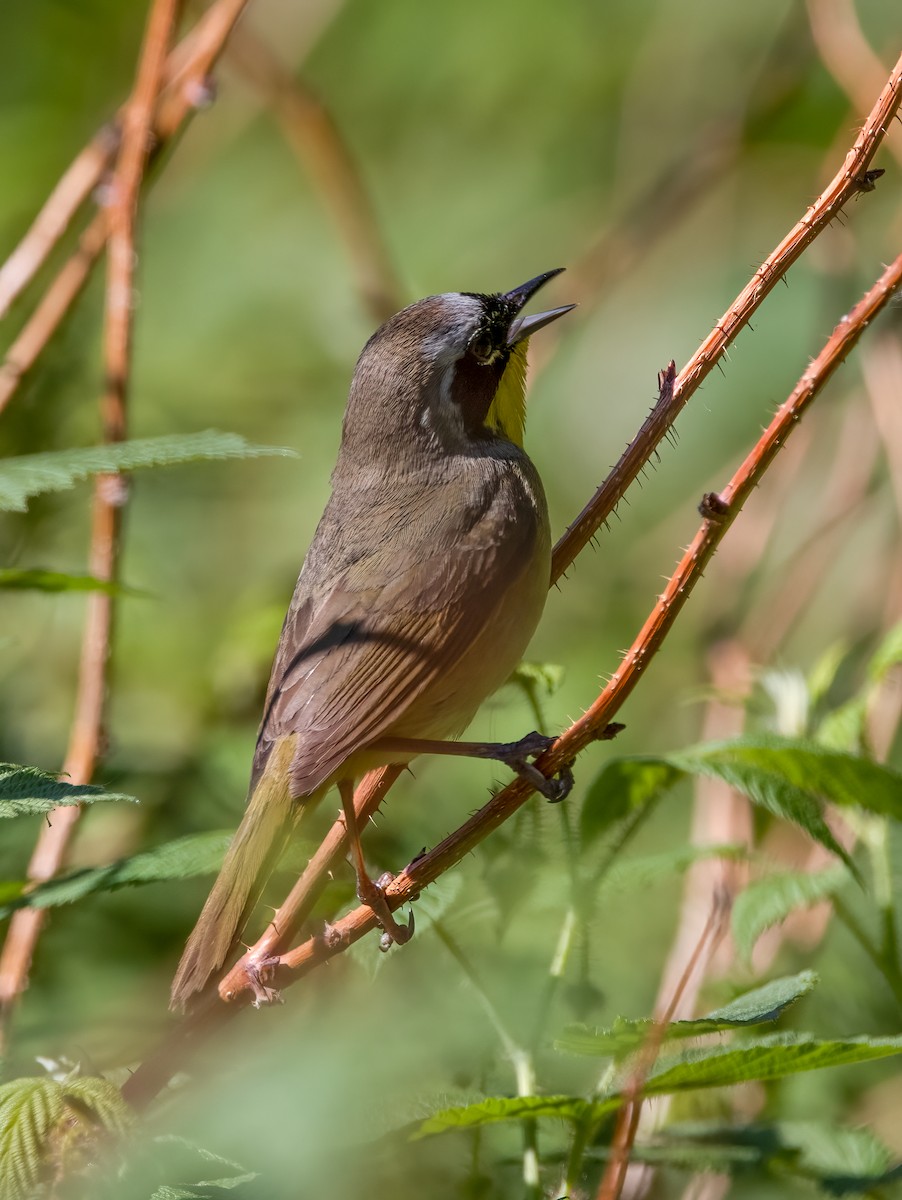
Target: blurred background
[{"x": 659, "y": 151}]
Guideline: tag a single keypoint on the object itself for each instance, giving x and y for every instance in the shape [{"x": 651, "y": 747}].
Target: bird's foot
[
  {"x": 516, "y": 755},
  {"x": 257, "y": 974},
  {"x": 373, "y": 895}
]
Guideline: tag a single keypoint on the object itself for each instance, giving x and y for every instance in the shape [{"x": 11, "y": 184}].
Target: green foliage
[
  {"x": 770, "y": 900},
  {"x": 761, "y": 1005},
  {"x": 33, "y": 474},
  {"x": 622, "y": 787},
  {"x": 28, "y": 790},
  {"x": 196, "y": 854},
  {"x": 41, "y": 1115},
  {"x": 762, "y": 1059},
  {"x": 37, "y": 580},
  {"x": 790, "y": 777},
  {"x": 841, "y": 1161},
  {"x": 775, "y": 1056}
]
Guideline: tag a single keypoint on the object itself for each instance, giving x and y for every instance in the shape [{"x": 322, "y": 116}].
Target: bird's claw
[
  {"x": 374, "y": 896},
  {"x": 516, "y": 755}
]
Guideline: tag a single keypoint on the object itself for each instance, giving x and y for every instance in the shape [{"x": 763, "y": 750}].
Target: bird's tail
[{"x": 256, "y": 848}]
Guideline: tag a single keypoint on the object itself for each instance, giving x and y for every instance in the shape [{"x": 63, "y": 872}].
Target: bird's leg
[
  {"x": 515, "y": 755},
  {"x": 368, "y": 892}
]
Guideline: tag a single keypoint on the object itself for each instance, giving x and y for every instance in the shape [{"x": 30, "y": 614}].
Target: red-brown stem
[
  {"x": 628, "y": 1117},
  {"x": 110, "y": 496}
]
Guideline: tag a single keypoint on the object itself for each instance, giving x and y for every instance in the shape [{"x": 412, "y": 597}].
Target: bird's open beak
[{"x": 523, "y": 327}]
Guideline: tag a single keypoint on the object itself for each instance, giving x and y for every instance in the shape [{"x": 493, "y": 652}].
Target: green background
[{"x": 497, "y": 141}]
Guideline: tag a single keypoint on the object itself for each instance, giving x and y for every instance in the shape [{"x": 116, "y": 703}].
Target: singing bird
[{"x": 422, "y": 587}]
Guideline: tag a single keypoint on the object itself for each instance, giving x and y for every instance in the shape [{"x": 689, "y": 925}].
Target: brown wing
[{"x": 351, "y": 662}]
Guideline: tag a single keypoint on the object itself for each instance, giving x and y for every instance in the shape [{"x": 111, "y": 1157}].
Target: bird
[{"x": 420, "y": 591}]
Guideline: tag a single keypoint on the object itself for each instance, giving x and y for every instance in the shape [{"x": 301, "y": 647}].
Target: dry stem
[
  {"x": 110, "y": 495},
  {"x": 628, "y": 1117}
]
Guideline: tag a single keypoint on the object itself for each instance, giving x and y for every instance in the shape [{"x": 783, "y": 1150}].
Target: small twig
[
  {"x": 312, "y": 133},
  {"x": 110, "y": 496},
  {"x": 630, "y": 1111}
]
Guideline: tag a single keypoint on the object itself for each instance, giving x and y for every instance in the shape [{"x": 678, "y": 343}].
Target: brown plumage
[{"x": 420, "y": 591}]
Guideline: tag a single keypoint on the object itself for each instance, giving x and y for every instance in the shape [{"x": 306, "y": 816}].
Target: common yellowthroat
[{"x": 422, "y": 587}]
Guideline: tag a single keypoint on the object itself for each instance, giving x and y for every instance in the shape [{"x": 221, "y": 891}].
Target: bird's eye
[{"x": 482, "y": 349}]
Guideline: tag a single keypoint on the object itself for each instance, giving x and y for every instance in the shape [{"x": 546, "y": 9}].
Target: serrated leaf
[
  {"x": 502, "y": 1108},
  {"x": 762, "y": 1004},
  {"x": 645, "y": 870},
  {"x": 769, "y": 901},
  {"x": 102, "y": 1098},
  {"x": 28, "y": 790},
  {"x": 623, "y": 786},
  {"x": 29, "y": 1109},
  {"x": 38, "y": 580},
  {"x": 33, "y": 474},
  {"x": 773, "y": 768},
  {"x": 183, "y": 858},
  {"x": 761, "y": 1059},
  {"x": 765, "y": 1003},
  {"x": 842, "y": 1161}
]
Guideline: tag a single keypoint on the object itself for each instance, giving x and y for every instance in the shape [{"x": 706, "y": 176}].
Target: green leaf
[
  {"x": 195, "y": 854},
  {"x": 37, "y": 580},
  {"x": 887, "y": 655},
  {"x": 762, "y": 1004},
  {"x": 769, "y": 901},
  {"x": 624, "y": 786},
  {"x": 842, "y": 1161},
  {"x": 777, "y": 772},
  {"x": 29, "y": 1109},
  {"x": 171, "y": 1155},
  {"x": 823, "y": 673},
  {"x": 546, "y": 677},
  {"x": 502, "y": 1108},
  {"x": 648, "y": 869},
  {"x": 102, "y": 1098},
  {"x": 773, "y": 1057},
  {"x": 843, "y": 727},
  {"x": 32, "y": 474},
  {"x": 28, "y": 790}
]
